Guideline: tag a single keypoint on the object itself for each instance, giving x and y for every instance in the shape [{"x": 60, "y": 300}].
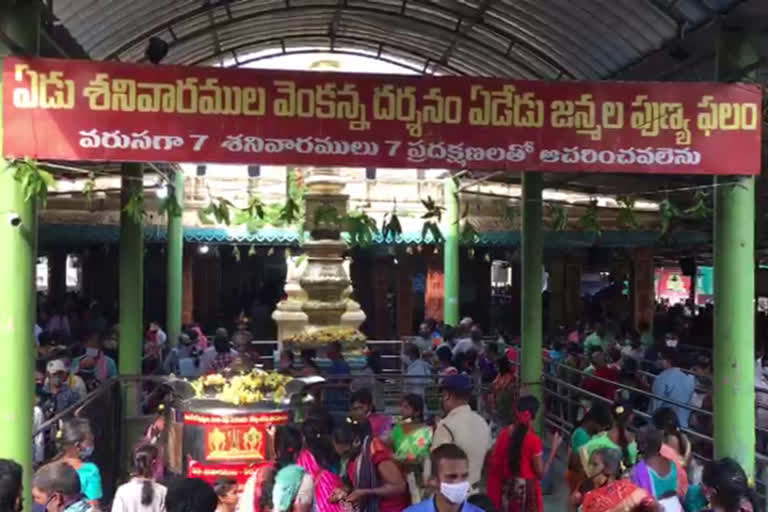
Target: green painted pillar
[
  {"x": 131, "y": 276},
  {"x": 451, "y": 252},
  {"x": 175, "y": 252},
  {"x": 21, "y": 23},
  {"x": 734, "y": 261},
  {"x": 531, "y": 361}
]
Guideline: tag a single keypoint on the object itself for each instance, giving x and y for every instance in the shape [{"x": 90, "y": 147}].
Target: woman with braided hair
[
  {"x": 141, "y": 493},
  {"x": 516, "y": 465}
]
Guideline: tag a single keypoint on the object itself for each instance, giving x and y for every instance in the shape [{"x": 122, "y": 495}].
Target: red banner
[{"x": 83, "y": 110}]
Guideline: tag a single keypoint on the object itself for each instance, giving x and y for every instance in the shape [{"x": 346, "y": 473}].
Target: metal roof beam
[{"x": 354, "y": 9}]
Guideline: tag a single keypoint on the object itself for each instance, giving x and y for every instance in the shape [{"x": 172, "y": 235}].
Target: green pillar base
[{"x": 531, "y": 370}]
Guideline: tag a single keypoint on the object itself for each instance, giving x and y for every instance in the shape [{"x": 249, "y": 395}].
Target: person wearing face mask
[
  {"x": 450, "y": 476},
  {"x": 95, "y": 367},
  {"x": 606, "y": 491},
  {"x": 75, "y": 443},
  {"x": 462, "y": 426},
  {"x": 56, "y": 486},
  {"x": 10, "y": 486}
]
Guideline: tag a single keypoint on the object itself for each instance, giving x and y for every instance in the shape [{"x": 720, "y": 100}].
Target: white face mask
[
  {"x": 92, "y": 352},
  {"x": 455, "y": 493},
  {"x": 672, "y": 342},
  {"x": 406, "y": 359}
]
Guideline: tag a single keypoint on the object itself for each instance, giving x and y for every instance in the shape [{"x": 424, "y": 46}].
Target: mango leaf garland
[
  {"x": 89, "y": 188},
  {"x": 361, "y": 228},
  {"x": 668, "y": 212},
  {"x": 390, "y": 225},
  {"x": 434, "y": 211},
  {"x": 433, "y": 229},
  {"x": 217, "y": 212},
  {"x": 290, "y": 212},
  {"x": 469, "y": 234},
  {"x": 134, "y": 207},
  {"x": 590, "y": 221},
  {"x": 171, "y": 207},
  {"x": 35, "y": 181},
  {"x": 627, "y": 213},
  {"x": 558, "y": 217},
  {"x": 700, "y": 208}
]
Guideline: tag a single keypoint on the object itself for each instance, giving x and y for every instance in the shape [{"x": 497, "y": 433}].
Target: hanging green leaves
[
  {"x": 236, "y": 253},
  {"x": 217, "y": 212},
  {"x": 434, "y": 211},
  {"x": 433, "y": 229},
  {"x": 35, "y": 181},
  {"x": 668, "y": 212},
  {"x": 253, "y": 211},
  {"x": 290, "y": 213},
  {"x": 590, "y": 221},
  {"x": 390, "y": 226},
  {"x": 134, "y": 207},
  {"x": 469, "y": 234},
  {"x": 626, "y": 216},
  {"x": 558, "y": 217},
  {"x": 89, "y": 189},
  {"x": 700, "y": 208},
  {"x": 361, "y": 228},
  {"x": 170, "y": 206}
]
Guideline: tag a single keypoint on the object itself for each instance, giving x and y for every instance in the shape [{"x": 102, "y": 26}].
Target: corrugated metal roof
[{"x": 539, "y": 39}]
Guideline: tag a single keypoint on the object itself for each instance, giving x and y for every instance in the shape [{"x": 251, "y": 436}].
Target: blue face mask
[{"x": 86, "y": 451}]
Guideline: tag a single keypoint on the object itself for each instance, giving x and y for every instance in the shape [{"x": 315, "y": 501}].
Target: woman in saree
[
  {"x": 373, "y": 480},
  {"x": 281, "y": 486},
  {"x": 411, "y": 441},
  {"x": 617, "y": 437},
  {"x": 606, "y": 491},
  {"x": 318, "y": 458},
  {"x": 516, "y": 465},
  {"x": 658, "y": 475}
]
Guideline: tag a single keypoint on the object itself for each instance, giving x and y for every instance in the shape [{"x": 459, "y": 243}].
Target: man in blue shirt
[
  {"x": 673, "y": 384},
  {"x": 450, "y": 475}
]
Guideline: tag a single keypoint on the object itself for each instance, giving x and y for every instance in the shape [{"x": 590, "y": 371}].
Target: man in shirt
[
  {"x": 462, "y": 426},
  {"x": 464, "y": 338},
  {"x": 673, "y": 384},
  {"x": 450, "y": 478},
  {"x": 56, "y": 486},
  {"x": 62, "y": 390},
  {"x": 415, "y": 367}
]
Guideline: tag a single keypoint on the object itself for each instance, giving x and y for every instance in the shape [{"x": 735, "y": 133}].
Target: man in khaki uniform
[{"x": 462, "y": 426}]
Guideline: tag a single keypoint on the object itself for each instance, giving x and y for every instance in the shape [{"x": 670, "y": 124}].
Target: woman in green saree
[{"x": 411, "y": 439}]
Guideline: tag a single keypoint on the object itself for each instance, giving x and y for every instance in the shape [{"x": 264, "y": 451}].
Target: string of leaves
[
  {"x": 361, "y": 228},
  {"x": 134, "y": 207},
  {"x": 89, "y": 190},
  {"x": 35, "y": 181},
  {"x": 590, "y": 221}
]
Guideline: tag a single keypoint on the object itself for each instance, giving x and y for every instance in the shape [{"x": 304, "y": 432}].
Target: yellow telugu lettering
[{"x": 46, "y": 90}]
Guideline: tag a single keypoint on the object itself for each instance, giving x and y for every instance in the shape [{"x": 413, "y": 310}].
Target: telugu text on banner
[{"x": 83, "y": 110}]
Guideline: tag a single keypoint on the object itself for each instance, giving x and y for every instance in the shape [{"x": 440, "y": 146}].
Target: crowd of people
[{"x": 371, "y": 461}]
